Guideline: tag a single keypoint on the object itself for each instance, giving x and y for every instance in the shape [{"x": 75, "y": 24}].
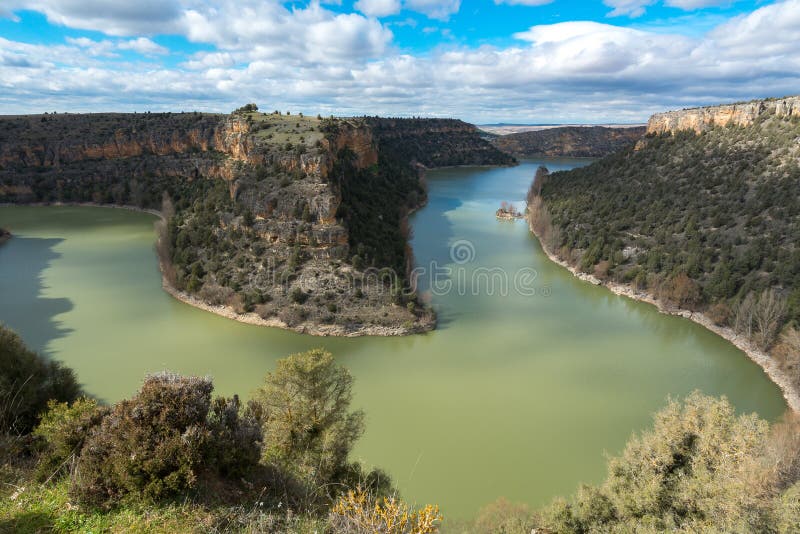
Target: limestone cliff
[
  {"x": 278, "y": 215},
  {"x": 740, "y": 114}
]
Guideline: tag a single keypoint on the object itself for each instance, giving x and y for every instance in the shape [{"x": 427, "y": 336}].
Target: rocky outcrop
[
  {"x": 5, "y": 235},
  {"x": 569, "y": 141},
  {"x": 740, "y": 114},
  {"x": 276, "y": 214}
]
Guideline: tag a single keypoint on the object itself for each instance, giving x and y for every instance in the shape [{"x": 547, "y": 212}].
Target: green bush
[
  {"x": 701, "y": 468},
  {"x": 27, "y": 383},
  {"x": 304, "y": 410},
  {"x": 63, "y": 430},
  {"x": 158, "y": 443}
]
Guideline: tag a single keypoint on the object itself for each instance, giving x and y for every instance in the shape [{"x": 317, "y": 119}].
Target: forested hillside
[
  {"x": 705, "y": 220},
  {"x": 569, "y": 141}
]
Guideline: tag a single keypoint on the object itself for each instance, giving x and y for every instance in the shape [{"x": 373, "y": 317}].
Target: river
[{"x": 520, "y": 392}]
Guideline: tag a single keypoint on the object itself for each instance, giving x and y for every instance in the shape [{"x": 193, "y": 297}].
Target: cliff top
[{"x": 736, "y": 114}]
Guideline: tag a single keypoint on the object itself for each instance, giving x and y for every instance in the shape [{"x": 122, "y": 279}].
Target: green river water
[{"x": 517, "y": 393}]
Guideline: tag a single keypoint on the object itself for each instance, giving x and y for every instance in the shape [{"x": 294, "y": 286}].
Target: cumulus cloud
[
  {"x": 378, "y": 8},
  {"x": 143, "y": 46},
  {"x": 112, "y": 17},
  {"x": 314, "y": 60}
]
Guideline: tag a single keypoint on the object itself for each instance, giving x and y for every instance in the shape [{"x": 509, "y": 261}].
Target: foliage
[
  {"x": 569, "y": 141},
  {"x": 701, "y": 468},
  {"x": 356, "y": 512},
  {"x": 63, "y": 430},
  {"x": 304, "y": 410},
  {"x": 504, "y": 517},
  {"x": 27, "y": 382},
  {"x": 156, "y": 444}
]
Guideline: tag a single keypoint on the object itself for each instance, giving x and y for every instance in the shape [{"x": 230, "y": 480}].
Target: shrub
[
  {"x": 700, "y": 468},
  {"x": 63, "y": 430},
  {"x": 157, "y": 444},
  {"x": 304, "y": 410},
  {"x": 27, "y": 383},
  {"x": 504, "y": 517},
  {"x": 356, "y": 512}
]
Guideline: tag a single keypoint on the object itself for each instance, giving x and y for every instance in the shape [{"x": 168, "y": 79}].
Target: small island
[
  {"x": 508, "y": 212},
  {"x": 5, "y": 235}
]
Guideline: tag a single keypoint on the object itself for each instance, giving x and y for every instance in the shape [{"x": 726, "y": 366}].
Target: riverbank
[
  {"x": 312, "y": 329},
  {"x": 790, "y": 393}
]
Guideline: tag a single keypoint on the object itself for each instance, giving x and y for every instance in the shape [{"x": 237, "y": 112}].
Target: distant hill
[{"x": 569, "y": 141}]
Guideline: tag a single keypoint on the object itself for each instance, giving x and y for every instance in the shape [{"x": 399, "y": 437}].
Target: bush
[
  {"x": 504, "y": 517},
  {"x": 63, "y": 430},
  {"x": 304, "y": 410},
  {"x": 27, "y": 383},
  {"x": 357, "y": 512},
  {"x": 701, "y": 468},
  {"x": 156, "y": 444}
]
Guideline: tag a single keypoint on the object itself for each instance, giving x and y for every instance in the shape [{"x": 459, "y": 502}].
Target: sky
[{"x": 484, "y": 61}]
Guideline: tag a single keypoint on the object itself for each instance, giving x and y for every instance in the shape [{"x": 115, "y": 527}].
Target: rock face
[
  {"x": 741, "y": 114},
  {"x": 569, "y": 141},
  {"x": 283, "y": 216}
]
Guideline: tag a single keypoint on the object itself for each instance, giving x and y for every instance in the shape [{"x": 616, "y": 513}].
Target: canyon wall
[{"x": 740, "y": 114}]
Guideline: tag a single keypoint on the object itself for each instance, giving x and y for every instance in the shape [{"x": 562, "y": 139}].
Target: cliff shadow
[{"x": 23, "y": 306}]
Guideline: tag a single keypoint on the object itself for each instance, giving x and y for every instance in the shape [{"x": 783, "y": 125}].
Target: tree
[
  {"x": 304, "y": 410},
  {"x": 768, "y": 316}
]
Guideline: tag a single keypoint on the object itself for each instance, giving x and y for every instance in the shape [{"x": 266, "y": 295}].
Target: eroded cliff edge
[{"x": 276, "y": 219}]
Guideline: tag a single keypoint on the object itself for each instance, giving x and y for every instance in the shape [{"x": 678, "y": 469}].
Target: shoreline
[
  {"x": 251, "y": 318},
  {"x": 790, "y": 393}
]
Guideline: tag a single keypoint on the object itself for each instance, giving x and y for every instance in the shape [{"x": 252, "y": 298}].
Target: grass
[
  {"x": 279, "y": 129},
  {"x": 30, "y": 507}
]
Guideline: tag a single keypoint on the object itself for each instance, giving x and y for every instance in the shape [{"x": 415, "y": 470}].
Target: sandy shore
[{"x": 790, "y": 392}]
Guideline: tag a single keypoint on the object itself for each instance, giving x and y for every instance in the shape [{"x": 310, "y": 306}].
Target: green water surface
[{"x": 517, "y": 393}]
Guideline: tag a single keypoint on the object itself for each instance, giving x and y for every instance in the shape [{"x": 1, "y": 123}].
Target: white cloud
[
  {"x": 143, "y": 46},
  {"x": 435, "y": 9},
  {"x": 636, "y": 8},
  {"x": 314, "y": 60},
  {"x": 631, "y": 8},
  {"x": 112, "y": 17},
  {"x": 378, "y": 8},
  {"x": 689, "y": 5}
]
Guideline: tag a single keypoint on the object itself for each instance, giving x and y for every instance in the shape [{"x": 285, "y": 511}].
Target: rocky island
[{"x": 270, "y": 218}]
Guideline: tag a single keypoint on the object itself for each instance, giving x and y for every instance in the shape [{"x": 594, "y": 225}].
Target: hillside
[
  {"x": 569, "y": 141},
  {"x": 702, "y": 215},
  {"x": 273, "y": 218}
]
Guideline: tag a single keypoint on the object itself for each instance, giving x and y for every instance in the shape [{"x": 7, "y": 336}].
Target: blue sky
[{"x": 481, "y": 60}]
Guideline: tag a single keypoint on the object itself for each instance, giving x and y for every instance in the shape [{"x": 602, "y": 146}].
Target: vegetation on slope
[
  {"x": 706, "y": 221},
  {"x": 569, "y": 141},
  {"x": 175, "y": 459}
]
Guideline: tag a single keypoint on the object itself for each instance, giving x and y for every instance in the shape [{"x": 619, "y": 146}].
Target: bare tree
[
  {"x": 768, "y": 316},
  {"x": 745, "y": 310}
]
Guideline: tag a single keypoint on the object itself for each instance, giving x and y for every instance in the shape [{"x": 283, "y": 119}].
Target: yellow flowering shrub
[{"x": 356, "y": 512}]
